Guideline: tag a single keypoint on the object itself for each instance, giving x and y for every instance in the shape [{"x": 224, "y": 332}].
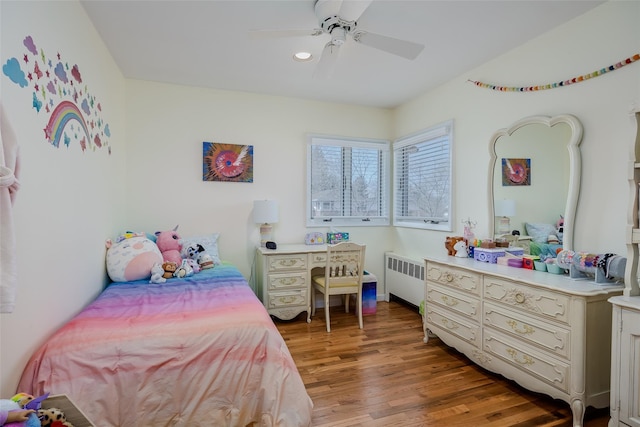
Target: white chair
[{"x": 342, "y": 276}]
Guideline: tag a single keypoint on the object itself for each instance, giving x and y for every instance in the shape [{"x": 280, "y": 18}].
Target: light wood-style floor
[{"x": 385, "y": 375}]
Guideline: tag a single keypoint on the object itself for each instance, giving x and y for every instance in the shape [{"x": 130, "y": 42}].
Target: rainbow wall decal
[{"x": 61, "y": 115}]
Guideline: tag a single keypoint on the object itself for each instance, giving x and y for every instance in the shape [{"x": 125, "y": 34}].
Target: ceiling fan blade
[
  {"x": 327, "y": 61},
  {"x": 404, "y": 48},
  {"x": 351, "y": 10},
  {"x": 273, "y": 34}
]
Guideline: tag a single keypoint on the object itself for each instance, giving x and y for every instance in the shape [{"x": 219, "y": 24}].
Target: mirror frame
[{"x": 575, "y": 165}]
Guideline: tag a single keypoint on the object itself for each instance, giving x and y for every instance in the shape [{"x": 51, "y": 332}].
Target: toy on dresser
[
  {"x": 461, "y": 249},
  {"x": 450, "y": 243}
]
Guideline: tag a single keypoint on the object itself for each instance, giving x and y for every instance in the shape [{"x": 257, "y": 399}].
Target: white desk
[{"x": 283, "y": 278}]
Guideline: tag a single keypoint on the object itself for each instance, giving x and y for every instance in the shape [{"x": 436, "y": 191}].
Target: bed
[{"x": 195, "y": 351}]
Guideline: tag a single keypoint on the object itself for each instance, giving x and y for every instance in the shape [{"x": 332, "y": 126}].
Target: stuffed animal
[
  {"x": 157, "y": 274},
  {"x": 461, "y": 249},
  {"x": 193, "y": 264},
  {"x": 131, "y": 258},
  {"x": 450, "y": 242},
  {"x": 169, "y": 268},
  {"x": 184, "y": 270},
  {"x": 560, "y": 228},
  {"x": 53, "y": 417},
  {"x": 170, "y": 245},
  {"x": 198, "y": 253},
  {"x": 22, "y": 401}
]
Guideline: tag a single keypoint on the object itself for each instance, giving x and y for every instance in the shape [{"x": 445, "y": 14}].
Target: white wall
[
  {"x": 69, "y": 201},
  {"x": 166, "y": 126},
  {"x": 602, "y": 37}
]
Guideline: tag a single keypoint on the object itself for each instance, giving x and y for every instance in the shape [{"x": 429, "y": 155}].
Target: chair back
[{"x": 345, "y": 264}]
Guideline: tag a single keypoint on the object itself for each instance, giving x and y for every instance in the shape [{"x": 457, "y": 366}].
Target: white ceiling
[{"x": 208, "y": 43}]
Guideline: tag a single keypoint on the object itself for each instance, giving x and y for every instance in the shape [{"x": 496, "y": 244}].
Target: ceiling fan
[{"x": 338, "y": 18}]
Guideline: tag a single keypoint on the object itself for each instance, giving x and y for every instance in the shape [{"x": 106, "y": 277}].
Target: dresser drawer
[
  {"x": 294, "y": 297},
  {"x": 279, "y": 281},
  {"x": 458, "y": 302},
  {"x": 540, "y": 365},
  {"x": 287, "y": 262},
  {"x": 440, "y": 319},
  {"x": 537, "y": 301},
  {"x": 454, "y": 277},
  {"x": 533, "y": 331},
  {"x": 318, "y": 259}
]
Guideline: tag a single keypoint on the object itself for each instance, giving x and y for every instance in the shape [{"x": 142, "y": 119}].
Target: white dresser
[
  {"x": 625, "y": 345},
  {"x": 283, "y": 278},
  {"x": 625, "y": 363},
  {"x": 547, "y": 332}
]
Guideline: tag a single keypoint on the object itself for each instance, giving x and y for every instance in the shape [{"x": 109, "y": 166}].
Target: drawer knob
[
  {"x": 524, "y": 360},
  {"x": 520, "y": 298},
  {"x": 287, "y": 300},
  {"x": 449, "y": 325},
  {"x": 288, "y": 262},
  {"x": 451, "y": 302},
  {"x": 448, "y": 277},
  {"x": 526, "y": 329},
  {"x": 288, "y": 281}
]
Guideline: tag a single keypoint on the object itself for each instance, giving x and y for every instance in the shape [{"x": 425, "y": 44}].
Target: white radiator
[{"x": 404, "y": 278}]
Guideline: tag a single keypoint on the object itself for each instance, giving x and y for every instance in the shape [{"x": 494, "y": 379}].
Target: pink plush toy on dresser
[{"x": 170, "y": 245}]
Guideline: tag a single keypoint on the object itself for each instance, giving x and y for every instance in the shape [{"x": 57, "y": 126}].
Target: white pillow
[
  {"x": 208, "y": 241},
  {"x": 540, "y": 232}
]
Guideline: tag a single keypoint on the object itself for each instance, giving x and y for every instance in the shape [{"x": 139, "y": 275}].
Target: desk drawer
[
  {"x": 287, "y": 281},
  {"x": 287, "y": 262},
  {"x": 318, "y": 259},
  {"x": 292, "y": 298},
  {"x": 541, "y": 302},
  {"x": 457, "y": 278}
]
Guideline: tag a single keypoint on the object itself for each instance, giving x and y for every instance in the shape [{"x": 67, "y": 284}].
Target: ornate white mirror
[{"x": 534, "y": 175}]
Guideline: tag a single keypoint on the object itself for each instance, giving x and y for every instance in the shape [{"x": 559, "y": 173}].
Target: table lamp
[
  {"x": 265, "y": 213},
  {"x": 504, "y": 209}
]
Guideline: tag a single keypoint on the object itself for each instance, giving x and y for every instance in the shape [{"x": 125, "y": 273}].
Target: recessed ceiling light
[{"x": 303, "y": 56}]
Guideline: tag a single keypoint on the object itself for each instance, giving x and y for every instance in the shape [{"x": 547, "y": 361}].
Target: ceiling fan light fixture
[
  {"x": 302, "y": 56},
  {"x": 338, "y": 36}
]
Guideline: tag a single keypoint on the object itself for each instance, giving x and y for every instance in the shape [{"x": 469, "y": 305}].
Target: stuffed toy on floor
[
  {"x": 20, "y": 402},
  {"x": 53, "y": 417}
]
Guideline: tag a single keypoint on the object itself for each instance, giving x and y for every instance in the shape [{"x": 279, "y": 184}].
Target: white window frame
[
  {"x": 436, "y": 134},
  {"x": 384, "y": 148}
]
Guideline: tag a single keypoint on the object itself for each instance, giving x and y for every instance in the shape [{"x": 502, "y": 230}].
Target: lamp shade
[
  {"x": 506, "y": 207},
  {"x": 265, "y": 211}
]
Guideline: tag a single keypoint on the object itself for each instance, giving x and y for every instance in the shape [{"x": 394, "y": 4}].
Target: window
[
  {"x": 422, "y": 179},
  {"x": 347, "y": 181}
]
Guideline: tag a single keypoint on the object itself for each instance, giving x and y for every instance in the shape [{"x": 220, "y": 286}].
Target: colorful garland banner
[{"x": 578, "y": 79}]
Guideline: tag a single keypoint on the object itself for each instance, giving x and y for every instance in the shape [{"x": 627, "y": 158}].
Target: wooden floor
[{"x": 385, "y": 375}]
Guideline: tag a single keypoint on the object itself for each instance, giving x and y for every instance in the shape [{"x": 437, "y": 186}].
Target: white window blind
[
  {"x": 347, "y": 181},
  {"x": 422, "y": 179}
]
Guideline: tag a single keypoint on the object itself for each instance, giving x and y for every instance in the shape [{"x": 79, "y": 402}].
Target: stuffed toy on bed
[
  {"x": 157, "y": 273},
  {"x": 131, "y": 258},
  {"x": 197, "y": 252},
  {"x": 170, "y": 245}
]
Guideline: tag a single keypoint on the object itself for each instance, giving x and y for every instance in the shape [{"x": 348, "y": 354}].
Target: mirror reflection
[{"x": 535, "y": 178}]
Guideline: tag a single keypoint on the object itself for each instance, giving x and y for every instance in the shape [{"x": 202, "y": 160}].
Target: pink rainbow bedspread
[{"x": 200, "y": 351}]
